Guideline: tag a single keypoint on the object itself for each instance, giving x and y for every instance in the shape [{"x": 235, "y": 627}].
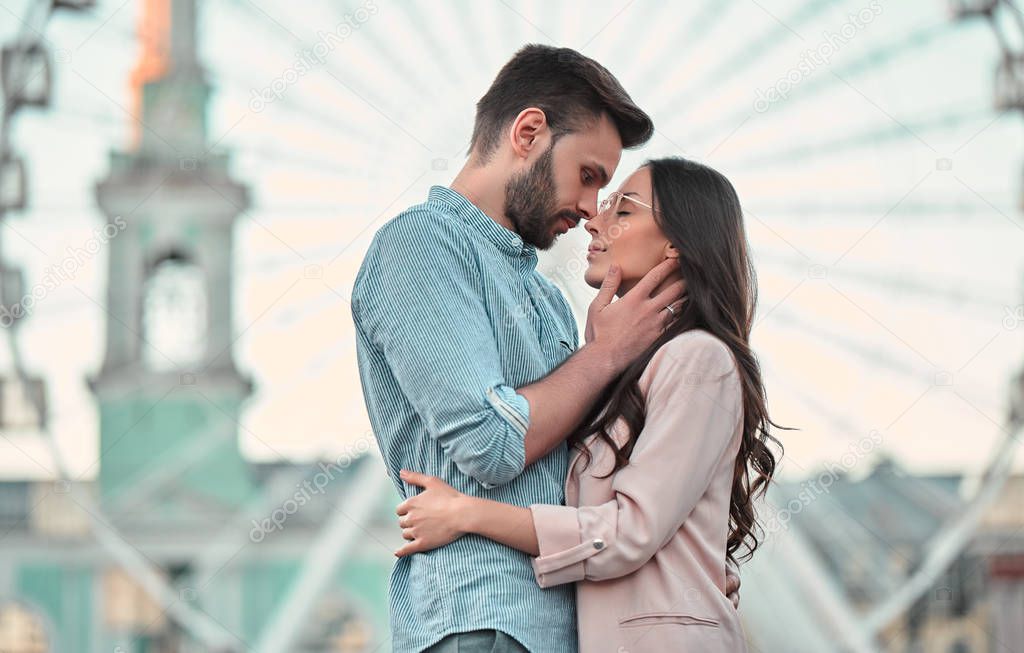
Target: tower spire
[{"x": 169, "y": 87}]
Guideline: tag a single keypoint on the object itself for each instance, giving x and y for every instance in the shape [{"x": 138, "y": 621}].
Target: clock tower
[{"x": 168, "y": 390}]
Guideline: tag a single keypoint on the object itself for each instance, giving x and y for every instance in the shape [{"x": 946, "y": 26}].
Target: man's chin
[{"x": 545, "y": 242}]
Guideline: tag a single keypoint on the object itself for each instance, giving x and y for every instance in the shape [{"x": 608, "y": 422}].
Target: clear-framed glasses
[{"x": 614, "y": 199}]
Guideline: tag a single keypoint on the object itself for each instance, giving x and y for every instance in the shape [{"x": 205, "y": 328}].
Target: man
[{"x": 466, "y": 353}]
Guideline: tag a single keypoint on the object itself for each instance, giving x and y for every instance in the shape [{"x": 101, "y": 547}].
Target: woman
[{"x": 660, "y": 491}]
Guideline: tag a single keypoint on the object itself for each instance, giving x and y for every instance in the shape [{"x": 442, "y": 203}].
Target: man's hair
[{"x": 572, "y": 90}]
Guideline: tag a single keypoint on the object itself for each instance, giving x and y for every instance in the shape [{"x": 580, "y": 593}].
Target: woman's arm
[
  {"x": 441, "y": 514},
  {"x": 694, "y": 403},
  {"x": 502, "y": 522}
]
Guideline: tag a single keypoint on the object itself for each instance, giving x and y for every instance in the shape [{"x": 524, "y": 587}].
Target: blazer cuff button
[{"x": 598, "y": 544}]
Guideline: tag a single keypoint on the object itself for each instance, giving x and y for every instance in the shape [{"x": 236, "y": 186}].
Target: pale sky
[{"x": 882, "y": 198}]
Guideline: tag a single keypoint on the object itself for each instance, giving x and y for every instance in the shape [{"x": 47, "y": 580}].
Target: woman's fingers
[
  {"x": 408, "y": 549},
  {"x": 414, "y": 545},
  {"x": 415, "y": 478}
]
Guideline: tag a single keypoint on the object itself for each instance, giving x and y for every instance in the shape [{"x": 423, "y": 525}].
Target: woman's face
[{"x": 627, "y": 235}]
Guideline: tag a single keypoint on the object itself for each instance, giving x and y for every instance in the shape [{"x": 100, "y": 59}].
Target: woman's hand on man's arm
[{"x": 440, "y": 514}]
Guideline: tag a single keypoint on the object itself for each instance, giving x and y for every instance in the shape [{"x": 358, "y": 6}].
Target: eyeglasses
[{"x": 615, "y": 198}]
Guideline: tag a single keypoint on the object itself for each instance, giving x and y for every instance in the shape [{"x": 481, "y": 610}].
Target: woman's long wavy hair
[{"x": 699, "y": 213}]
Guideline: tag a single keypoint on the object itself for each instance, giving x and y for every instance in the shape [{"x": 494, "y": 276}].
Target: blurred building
[
  {"x": 869, "y": 534},
  {"x": 71, "y": 597}
]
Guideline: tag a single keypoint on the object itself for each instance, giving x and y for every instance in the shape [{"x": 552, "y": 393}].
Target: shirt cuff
[
  {"x": 514, "y": 410},
  {"x": 512, "y": 406},
  {"x": 561, "y": 550}
]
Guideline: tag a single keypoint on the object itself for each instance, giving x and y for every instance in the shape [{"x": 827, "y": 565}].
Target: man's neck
[{"x": 481, "y": 186}]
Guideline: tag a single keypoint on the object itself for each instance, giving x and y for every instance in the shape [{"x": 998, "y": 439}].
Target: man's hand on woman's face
[{"x": 627, "y": 327}]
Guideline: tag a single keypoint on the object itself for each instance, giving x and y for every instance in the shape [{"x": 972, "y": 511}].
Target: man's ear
[{"x": 529, "y": 132}]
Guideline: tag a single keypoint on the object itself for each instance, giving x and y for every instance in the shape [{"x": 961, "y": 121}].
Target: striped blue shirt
[{"x": 451, "y": 317}]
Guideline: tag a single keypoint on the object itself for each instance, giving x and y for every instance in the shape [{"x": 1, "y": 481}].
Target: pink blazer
[{"x": 646, "y": 546}]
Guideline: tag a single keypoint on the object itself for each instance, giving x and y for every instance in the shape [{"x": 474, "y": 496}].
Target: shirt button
[{"x": 598, "y": 544}]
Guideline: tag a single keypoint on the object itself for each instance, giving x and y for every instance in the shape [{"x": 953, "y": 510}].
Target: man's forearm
[{"x": 560, "y": 400}]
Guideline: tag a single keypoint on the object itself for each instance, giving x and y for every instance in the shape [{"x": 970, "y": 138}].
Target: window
[{"x": 174, "y": 311}]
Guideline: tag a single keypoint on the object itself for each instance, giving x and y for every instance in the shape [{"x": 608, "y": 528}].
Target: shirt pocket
[
  {"x": 558, "y": 342},
  {"x": 555, "y": 338},
  {"x": 426, "y": 592}
]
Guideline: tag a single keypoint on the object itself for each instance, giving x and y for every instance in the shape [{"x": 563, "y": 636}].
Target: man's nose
[{"x": 587, "y": 207}]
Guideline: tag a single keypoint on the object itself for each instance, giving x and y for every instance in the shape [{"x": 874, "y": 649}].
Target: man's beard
[{"x": 531, "y": 204}]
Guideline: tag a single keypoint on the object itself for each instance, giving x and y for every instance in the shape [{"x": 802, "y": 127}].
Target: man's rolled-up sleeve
[{"x": 419, "y": 299}]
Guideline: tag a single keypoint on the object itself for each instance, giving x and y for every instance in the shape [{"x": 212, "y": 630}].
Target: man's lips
[{"x": 568, "y": 221}]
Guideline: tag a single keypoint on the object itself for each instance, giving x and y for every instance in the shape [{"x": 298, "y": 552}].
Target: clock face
[{"x": 174, "y": 318}]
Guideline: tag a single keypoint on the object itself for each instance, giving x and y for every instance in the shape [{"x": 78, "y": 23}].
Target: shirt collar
[{"x": 505, "y": 240}]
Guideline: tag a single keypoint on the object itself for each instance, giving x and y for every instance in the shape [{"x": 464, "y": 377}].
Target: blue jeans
[{"x": 478, "y": 641}]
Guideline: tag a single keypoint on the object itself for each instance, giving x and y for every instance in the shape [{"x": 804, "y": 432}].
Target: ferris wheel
[{"x": 879, "y": 179}]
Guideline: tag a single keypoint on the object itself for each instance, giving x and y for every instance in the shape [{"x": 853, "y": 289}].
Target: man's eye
[{"x": 587, "y": 177}]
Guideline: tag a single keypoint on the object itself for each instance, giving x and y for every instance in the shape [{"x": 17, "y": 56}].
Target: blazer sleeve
[{"x": 694, "y": 403}]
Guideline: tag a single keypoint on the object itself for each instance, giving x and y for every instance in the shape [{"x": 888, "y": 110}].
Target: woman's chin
[{"x": 594, "y": 276}]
